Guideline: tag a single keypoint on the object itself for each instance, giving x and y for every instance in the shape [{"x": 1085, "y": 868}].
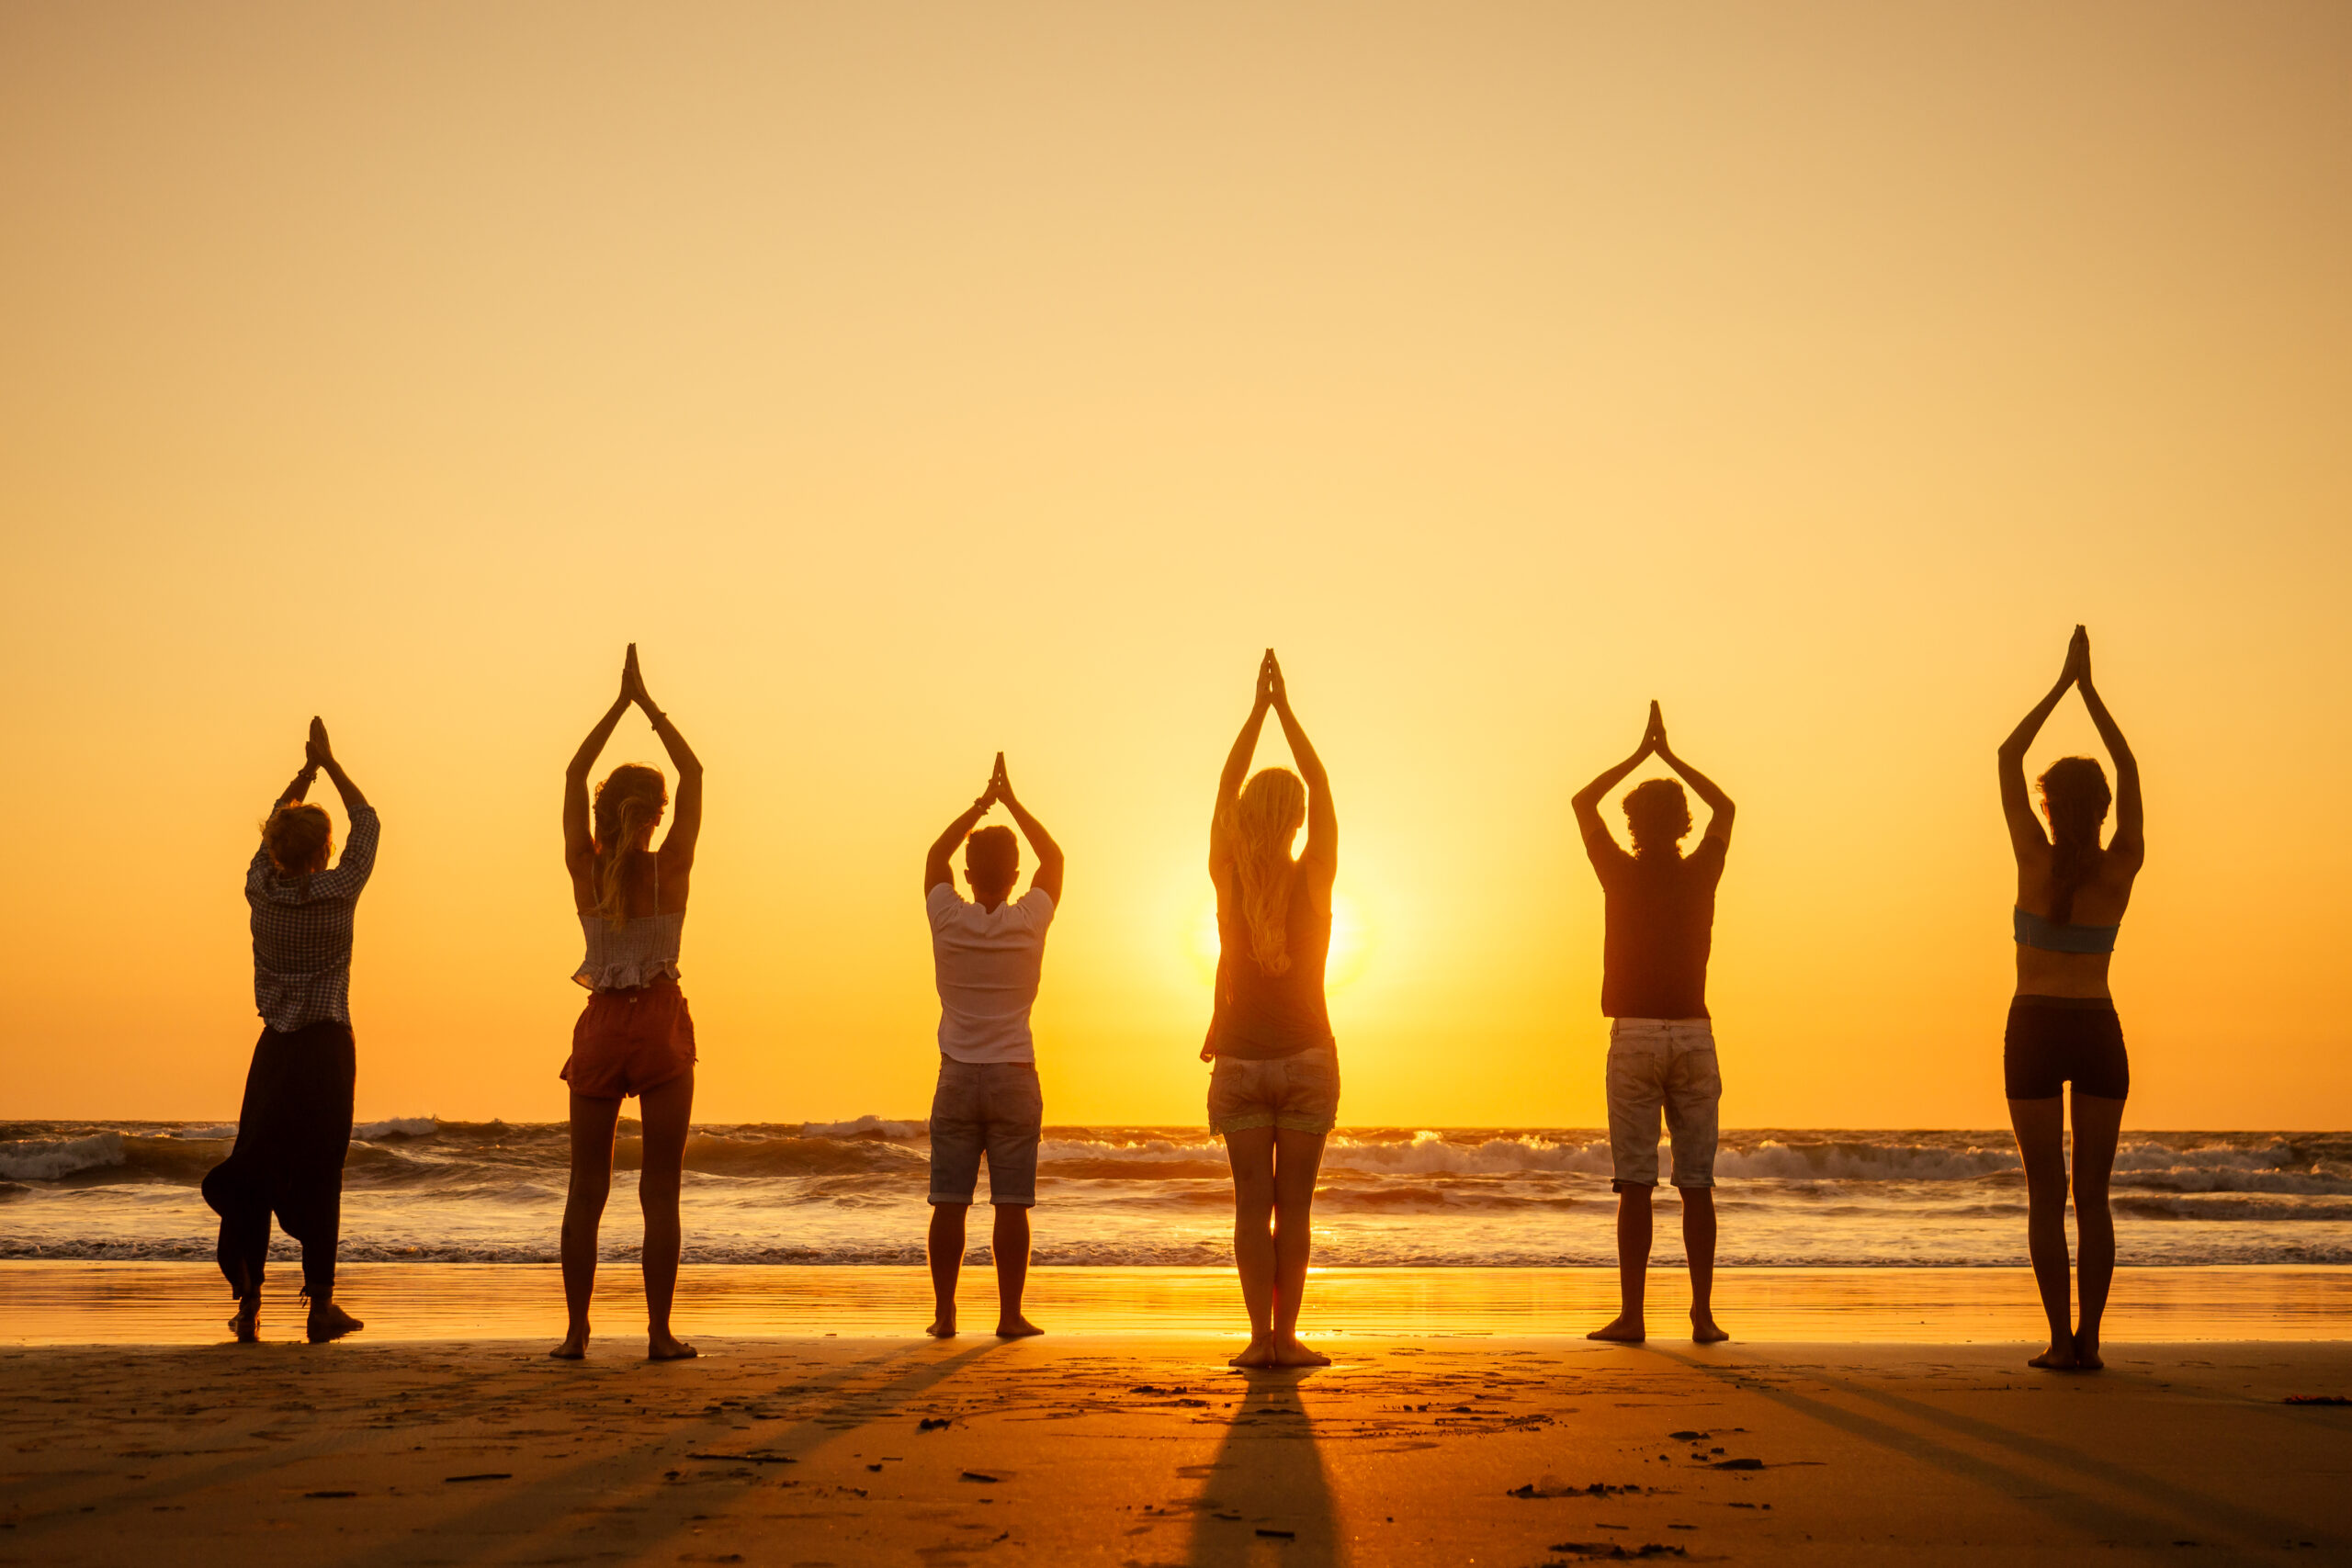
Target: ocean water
[{"x": 419, "y": 1190}]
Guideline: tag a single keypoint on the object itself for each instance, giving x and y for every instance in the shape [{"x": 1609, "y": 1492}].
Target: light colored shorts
[
  {"x": 1298, "y": 1093},
  {"x": 992, "y": 1106},
  {"x": 1662, "y": 1064}
]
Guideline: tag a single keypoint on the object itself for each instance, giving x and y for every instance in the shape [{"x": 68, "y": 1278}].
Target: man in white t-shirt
[{"x": 988, "y": 952}]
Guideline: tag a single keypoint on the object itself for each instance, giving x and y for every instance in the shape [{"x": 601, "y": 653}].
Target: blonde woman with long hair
[
  {"x": 1275, "y": 1093},
  {"x": 636, "y": 1035}
]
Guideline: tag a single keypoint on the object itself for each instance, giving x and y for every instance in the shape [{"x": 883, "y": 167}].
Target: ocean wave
[
  {"x": 2210, "y": 1179},
  {"x": 2227, "y": 1208},
  {"x": 54, "y": 1159},
  {"x": 865, "y": 1127},
  {"x": 1850, "y": 1161},
  {"x": 2152, "y": 1155},
  {"x": 720, "y": 1154},
  {"x": 1437, "y": 1154},
  {"x": 398, "y": 1127}
]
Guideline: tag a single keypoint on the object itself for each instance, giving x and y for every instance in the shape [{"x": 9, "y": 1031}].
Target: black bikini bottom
[{"x": 2052, "y": 1041}]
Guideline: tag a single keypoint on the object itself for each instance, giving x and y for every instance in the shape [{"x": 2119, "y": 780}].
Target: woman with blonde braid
[
  {"x": 1275, "y": 1094},
  {"x": 635, "y": 1036}
]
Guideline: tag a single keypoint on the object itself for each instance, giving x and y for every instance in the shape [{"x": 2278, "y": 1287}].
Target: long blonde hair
[
  {"x": 628, "y": 803},
  {"x": 1257, "y": 829}
]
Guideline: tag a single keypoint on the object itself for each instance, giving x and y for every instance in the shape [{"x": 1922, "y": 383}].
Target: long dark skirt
[{"x": 292, "y": 1133}]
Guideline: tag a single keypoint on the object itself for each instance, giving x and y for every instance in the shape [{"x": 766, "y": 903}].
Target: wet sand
[
  {"x": 1122, "y": 1451},
  {"x": 186, "y": 1303}
]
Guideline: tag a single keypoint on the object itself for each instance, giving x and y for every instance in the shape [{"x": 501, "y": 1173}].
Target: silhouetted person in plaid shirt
[{"x": 295, "y": 1126}]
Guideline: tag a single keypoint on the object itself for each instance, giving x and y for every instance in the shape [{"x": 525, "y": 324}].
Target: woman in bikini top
[{"x": 2063, "y": 1027}]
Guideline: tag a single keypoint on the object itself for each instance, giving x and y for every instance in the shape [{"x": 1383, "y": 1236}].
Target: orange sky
[{"x": 911, "y": 382}]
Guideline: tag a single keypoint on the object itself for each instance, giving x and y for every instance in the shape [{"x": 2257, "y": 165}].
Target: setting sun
[{"x": 1350, "y": 943}]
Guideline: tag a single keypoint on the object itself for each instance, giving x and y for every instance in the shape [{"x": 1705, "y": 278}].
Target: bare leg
[
  {"x": 2098, "y": 1122},
  {"x": 946, "y": 1262},
  {"x": 2041, "y": 1146},
  {"x": 1698, "y": 1246},
  {"x": 244, "y": 1276},
  {"x": 584, "y": 1209},
  {"x": 1010, "y": 1244},
  {"x": 1633, "y": 1264},
  {"x": 1251, "y": 1154},
  {"x": 1298, "y": 1159},
  {"x": 667, "y": 1111}
]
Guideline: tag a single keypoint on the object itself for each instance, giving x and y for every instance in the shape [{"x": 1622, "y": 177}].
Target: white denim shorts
[{"x": 1662, "y": 1066}]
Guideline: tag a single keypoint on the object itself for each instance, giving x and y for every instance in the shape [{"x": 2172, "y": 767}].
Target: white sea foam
[
  {"x": 854, "y": 1192},
  {"x": 397, "y": 1127},
  {"x": 864, "y": 1127},
  {"x": 50, "y": 1159}
]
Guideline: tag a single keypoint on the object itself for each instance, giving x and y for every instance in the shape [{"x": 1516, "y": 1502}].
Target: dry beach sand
[{"x": 1120, "y": 1449}]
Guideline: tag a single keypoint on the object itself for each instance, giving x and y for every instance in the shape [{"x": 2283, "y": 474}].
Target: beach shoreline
[{"x": 186, "y": 1304}]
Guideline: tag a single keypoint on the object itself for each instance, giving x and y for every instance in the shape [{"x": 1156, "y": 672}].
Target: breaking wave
[{"x": 422, "y": 1188}]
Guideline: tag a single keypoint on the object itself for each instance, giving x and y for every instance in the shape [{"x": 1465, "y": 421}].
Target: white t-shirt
[{"x": 988, "y": 962}]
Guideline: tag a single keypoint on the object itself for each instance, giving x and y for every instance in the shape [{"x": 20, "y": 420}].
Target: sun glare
[{"x": 1350, "y": 943}]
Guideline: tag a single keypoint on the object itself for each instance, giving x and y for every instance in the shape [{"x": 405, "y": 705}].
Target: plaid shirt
[{"x": 302, "y": 938}]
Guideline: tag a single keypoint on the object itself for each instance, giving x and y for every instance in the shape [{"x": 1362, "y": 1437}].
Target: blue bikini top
[{"x": 2033, "y": 930}]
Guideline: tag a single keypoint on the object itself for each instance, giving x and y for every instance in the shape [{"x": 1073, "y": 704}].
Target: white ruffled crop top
[{"x": 635, "y": 954}]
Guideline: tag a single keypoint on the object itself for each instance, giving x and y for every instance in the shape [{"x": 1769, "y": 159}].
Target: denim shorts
[
  {"x": 1298, "y": 1093},
  {"x": 1662, "y": 1064},
  {"x": 992, "y": 1106}
]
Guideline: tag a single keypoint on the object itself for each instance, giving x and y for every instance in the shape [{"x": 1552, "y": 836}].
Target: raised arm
[
  {"x": 298, "y": 787},
  {"x": 2130, "y": 840},
  {"x": 358, "y": 861},
  {"x": 1236, "y": 763},
  {"x": 936, "y": 865},
  {"x": 579, "y": 836},
  {"x": 2017, "y": 804},
  {"x": 1719, "y": 804},
  {"x": 1586, "y": 801},
  {"x": 685, "y": 816},
  {"x": 1048, "y": 878},
  {"x": 1322, "y": 816},
  {"x": 322, "y": 756}
]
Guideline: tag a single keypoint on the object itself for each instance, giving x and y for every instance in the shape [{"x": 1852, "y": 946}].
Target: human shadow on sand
[{"x": 1264, "y": 1497}]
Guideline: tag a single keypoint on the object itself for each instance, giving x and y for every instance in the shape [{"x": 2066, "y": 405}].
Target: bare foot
[
  {"x": 2054, "y": 1360},
  {"x": 328, "y": 1321},
  {"x": 1259, "y": 1353},
  {"x": 574, "y": 1347},
  {"x": 1705, "y": 1329},
  {"x": 1016, "y": 1327},
  {"x": 246, "y": 1324},
  {"x": 1622, "y": 1329},
  {"x": 667, "y": 1347},
  {"x": 944, "y": 1326},
  {"x": 2087, "y": 1354},
  {"x": 1289, "y": 1353}
]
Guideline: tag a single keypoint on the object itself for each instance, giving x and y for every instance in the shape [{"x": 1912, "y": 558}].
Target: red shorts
[{"x": 628, "y": 1042}]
